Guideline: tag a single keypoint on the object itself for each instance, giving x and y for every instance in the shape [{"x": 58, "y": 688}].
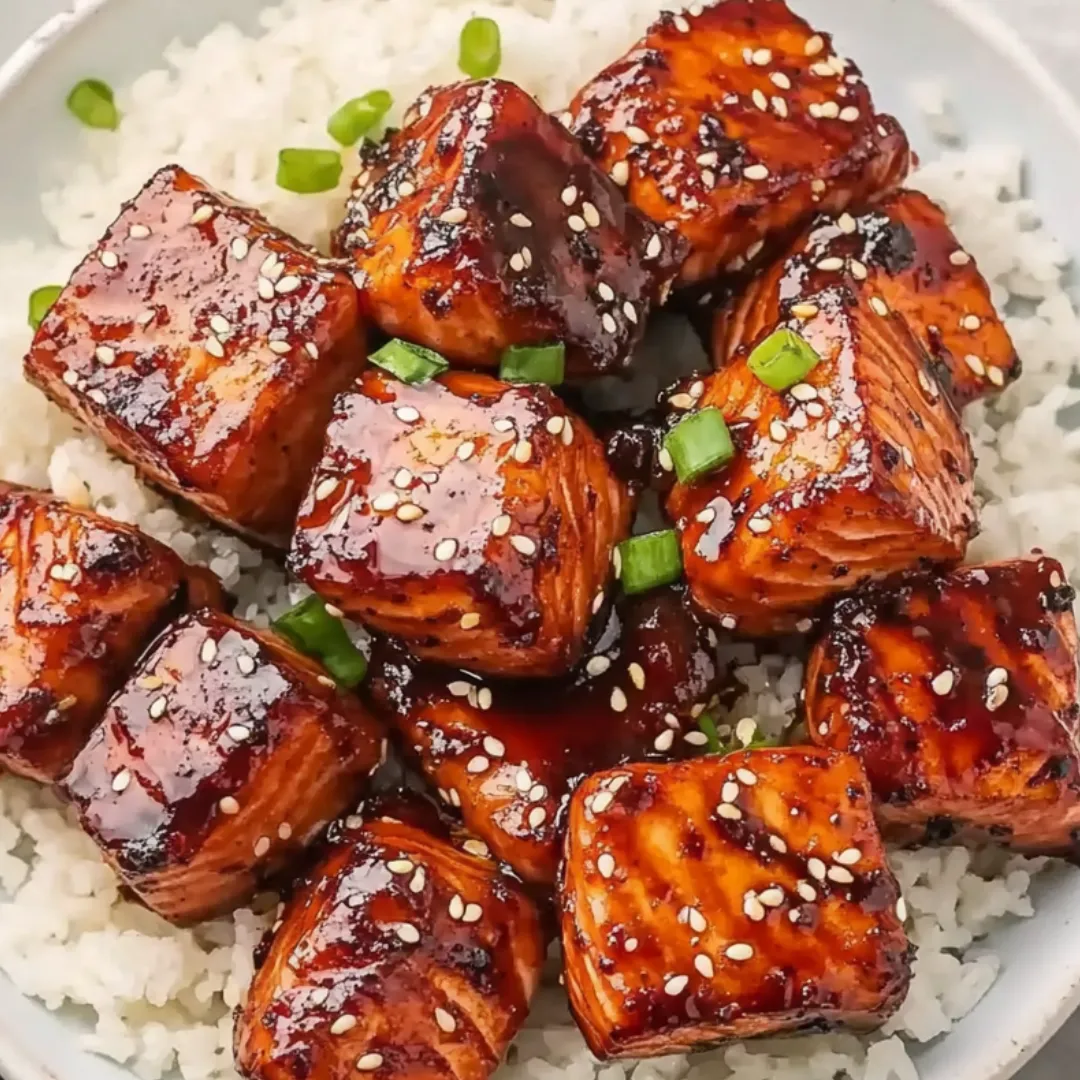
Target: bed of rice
[{"x": 161, "y": 998}]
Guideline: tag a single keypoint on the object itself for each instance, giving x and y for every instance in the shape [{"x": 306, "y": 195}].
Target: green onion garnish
[
  {"x": 410, "y": 363},
  {"x": 481, "y": 48},
  {"x": 40, "y": 301},
  {"x": 534, "y": 364},
  {"x": 314, "y": 631},
  {"x": 92, "y": 102},
  {"x": 307, "y": 172},
  {"x": 708, "y": 725},
  {"x": 783, "y": 359},
  {"x": 700, "y": 444},
  {"x": 650, "y": 561},
  {"x": 357, "y": 117}
]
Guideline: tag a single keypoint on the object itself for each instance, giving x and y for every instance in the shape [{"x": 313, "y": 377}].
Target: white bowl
[{"x": 999, "y": 92}]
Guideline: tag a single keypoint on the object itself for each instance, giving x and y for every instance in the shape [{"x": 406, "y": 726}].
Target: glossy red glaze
[
  {"x": 735, "y": 124},
  {"x": 958, "y": 693},
  {"x": 205, "y": 348},
  {"x": 916, "y": 271},
  {"x": 860, "y": 472},
  {"x": 223, "y": 756},
  {"x": 725, "y": 898},
  {"x": 473, "y": 518},
  {"x": 80, "y": 596},
  {"x": 399, "y": 955},
  {"x": 509, "y": 754},
  {"x": 482, "y": 225}
]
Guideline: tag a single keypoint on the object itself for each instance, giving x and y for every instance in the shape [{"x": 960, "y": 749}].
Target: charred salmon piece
[
  {"x": 205, "y": 347},
  {"x": 399, "y": 955},
  {"x": 482, "y": 225},
  {"x": 725, "y": 898},
  {"x": 958, "y": 693},
  {"x": 508, "y": 755},
  {"x": 224, "y": 755},
  {"x": 860, "y": 471},
  {"x": 473, "y": 518},
  {"x": 734, "y": 122},
  {"x": 80, "y": 598}
]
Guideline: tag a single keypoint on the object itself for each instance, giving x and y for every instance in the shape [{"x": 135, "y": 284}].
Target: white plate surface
[{"x": 1000, "y": 92}]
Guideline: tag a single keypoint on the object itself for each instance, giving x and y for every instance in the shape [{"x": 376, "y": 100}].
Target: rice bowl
[{"x": 161, "y": 998}]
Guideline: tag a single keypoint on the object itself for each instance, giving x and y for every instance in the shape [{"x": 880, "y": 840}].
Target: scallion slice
[
  {"x": 40, "y": 301},
  {"x": 408, "y": 362},
  {"x": 699, "y": 445},
  {"x": 314, "y": 631},
  {"x": 481, "y": 48},
  {"x": 534, "y": 364},
  {"x": 308, "y": 172},
  {"x": 650, "y": 561},
  {"x": 708, "y": 726},
  {"x": 91, "y": 101},
  {"x": 357, "y": 117},
  {"x": 783, "y": 359}
]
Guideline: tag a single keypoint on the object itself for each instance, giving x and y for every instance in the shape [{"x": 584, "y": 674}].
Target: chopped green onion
[
  {"x": 699, "y": 445},
  {"x": 650, "y": 561},
  {"x": 314, "y": 631},
  {"x": 783, "y": 359},
  {"x": 708, "y": 725},
  {"x": 307, "y": 172},
  {"x": 92, "y": 102},
  {"x": 357, "y": 117},
  {"x": 534, "y": 364},
  {"x": 40, "y": 301},
  {"x": 481, "y": 48},
  {"x": 410, "y": 363}
]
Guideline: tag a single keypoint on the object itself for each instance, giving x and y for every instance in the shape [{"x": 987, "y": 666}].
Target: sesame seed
[
  {"x": 343, "y": 1024},
  {"x": 777, "y": 844},
  {"x": 407, "y": 414},
  {"x": 385, "y": 502},
  {"x": 239, "y": 248},
  {"x": 457, "y": 907},
  {"x": 630, "y": 312},
  {"x": 262, "y": 846},
  {"x": 523, "y": 545},
  {"x": 753, "y": 909},
  {"x": 202, "y": 214},
  {"x": 326, "y": 488},
  {"x": 311, "y": 349},
  {"x": 576, "y": 223},
  {"x": 697, "y": 921},
  {"x": 664, "y": 741},
  {"x": 654, "y": 247},
  {"x": 523, "y": 452},
  {"x": 729, "y": 812},
  {"x": 478, "y": 764},
  {"x": 943, "y": 682},
  {"x": 284, "y": 831},
  {"x": 265, "y": 289},
  {"x": 454, "y": 216},
  {"x": 840, "y": 875},
  {"x": 473, "y": 913},
  {"x": 997, "y": 697},
  {"x": 620, "y": 173},
  {"x": 569, "y": 195},
  {"x": 109, "y": 260},
  {"x": 555, "y": 425},
  {"x": 971, "y": 322},
  {"x": 279, "y": 348},
  {"x": 400, "y": 866},
  {"x": 209, "y": 651},
  {"x": 746, "y": 777},
  {"x": 121, "y": 781},
  {"x": 879, "y": 306},
  {"x": 996, "y": 376},
  {"x": 803, "y": 392},
  {"x": 606, "y": 865},
  {"x": 607, "y": 321},
  {"x": 601, "y": 801},
  {"x": 407, "y": 933},
  {"x": 470, "y": 621},
  {"x": 704, "y": 966},
  {"x": 739, "y": 951},
  {"x": 859, "y": 271},
  {"x": 369, "y": 1062},
  {"x": 537, "y": 816},
  {"x": 681, "y": 24},
  {"x": 591, "y": 215},
  {"x": 517, "y": 262},
  {"x": 817, "y": 869},
  {"x": 637, "y": 675},
  {"x": 105, "y": 355},
  {"x": 901, "y": 910},
  {"x": 504, "y": 425},
  {"x": 287, "y": 285},
  {"x": 781, "y": 80},
  {"x": 618, "y": 700},
  {"x": 772, "y": 898},
  {"x": 777, "y": 431},
  {"x": 484, "y": 111},
  {"x": 417, "y": 883},
  {"x": 696, "y": 738},
  {"x": 409, "y": 512},
  {"x": 848, "y": 857},
  {"x": 759, "y": 525},
  {"x": 445, "y": 1021},
  {"x": 445, "y": 550},
  {"x": 760, "y": 100},
  {"x": 501, "y": 525},
  {"x": 637, "y": 136},
  {"x": 814, "y": 45},
  {"x": 756, "y": 172},
  {"x": 729, "y": 792},
  {"x": 762, "y": 57},
  {"x": 676, "y": 985},
  {"x": 850, "y": 114},
  {"x": 158, "y": 707},
  {"x": 229, "y": 806},
  {"x": 239, "y": 733},
  {"x": 806, "y": 891}
]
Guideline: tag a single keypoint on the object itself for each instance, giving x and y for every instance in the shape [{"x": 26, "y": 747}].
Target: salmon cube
[
  {"x": 725, "y": 898},
  {"x": 509, "y": 756},
  {"x": 732, "y": 124},
  {"x": 400, "y": 955},
  {"x": 958, "y": 693},
  {"x": 223, "y": 756},
  {"x": 482, "y": 225},
  {"x": 859, "y": 471},
  {"x": 473, "y": 518},
  {"x": 205, "y": 347},
  {"x": 80, "y": 597}
]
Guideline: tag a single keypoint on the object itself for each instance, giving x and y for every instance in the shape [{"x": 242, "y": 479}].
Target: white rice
[{"x": 161, "y": 998}]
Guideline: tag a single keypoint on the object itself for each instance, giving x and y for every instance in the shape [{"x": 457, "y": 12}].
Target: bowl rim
[{"x": 15, "y": 1062}]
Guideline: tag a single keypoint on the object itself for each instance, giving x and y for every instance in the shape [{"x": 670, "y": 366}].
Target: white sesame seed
[
  {"x": 664, "y": 741},
  {"x": 840, "y": 875},
  {"x": 630, "y": 312},
  {"x": 901, "y": 909},
  {"x": 343, "y": 1024},
  {"x": 501, "y": 525},
  {"x": 618, "y": 700},
  {"x": 729, "y": 812},
  {"x": 238, "y": 732},
  {"x": 523, "y": 452},
  {"x": 850, "y": 114},
  {"x": 121, "y": 781},
  {"x": 607, "y": 321},
  {"x": 418, "y": 879},
  {"x": 858, "y": 270},
  {"x": 976, "y": 365},
  {"x": 601, "y": 801},
  {"x": 817, "y": 869},
  {"x": 752, "y": 908},
  {"x": 473, "y": 913},
  {"x": 537, "y": 816},
  {"x": 109, "y": 260},
  {"x": 555, "y": 425},
  {"x": 521, "y": 221},
  {"x": 756, "y": 172},
  {"x": 729, "y": 792},
  {"x": 591, "y": 215},
  {"x": 637, "y": 135},
  {"x": 777, "y": 431},
  {"x": 814, "y": 45},
  {"x": 202, "y": 214},
  {"x": 407, "y": 414},
  {"x": 400, "y": 866},
  {"x": 803, "y": 392},
  {"x": 484, "y": 111},
  {"x": 454, "y": 216},
  {"x": 996, "y": 376},
  {"x": 410, "y": 512},
  {"x": 279, "y": 348},
  {"x": 106, "y": 355},
  {"x": 569, "y": 195},
  {"x": 831, "y": 263},
  {"x": 772, "y": 898},
  {"x": 523, "y": 545},
  {"x": 503, "y": 425},
  {"x": 777, "y": 844},
  {"x": 576, "y": 223},
  {"x": 806, "y": 891},
  {"x": 385, "y": 502},
  {"x": 848, "y": 857},
  {"x": 606, "y": 865},
  {"x": 704, "y": 966},
  {"x": 445, "y": 550},
  {"x": 759, "y": 525},
  {"x": 158, "y": 707},
  {"x": 209, "y": 651},
  {"x": 620, "y": 173},
  {"x": 739, "y": 951},
  {"x": 676, "y": 985},
  {"x": 943, "y": 682},
  {"x": 960, "y": 258},
  {"x": 746, "y": 777},
  {"x": 369, "y": 1062},
  {"x": 262, "y": 846},
  {"x": 478, "y": 764},
  {"x": 517, "y": 262},
  {"x": 326, "y": 488},
  {"x": 239, "y": 248},
  {"x": 229, "y": 806},
  {"x": 879, "y": 306},
  {"x": 696, "y": 738},
  {"x": 997, "y": 697},
  {"x": 445, "y": 1021},
  {"x": 654, "y": 247},
  {"x": 971, "y": 322},
  {"x": 760, "y": 100},
  {"x": 265, "y": 289},
  {"x": 681, "y": 24},
  {"x": 407, "y": 933},
  {"x": 287, "y": 285}
]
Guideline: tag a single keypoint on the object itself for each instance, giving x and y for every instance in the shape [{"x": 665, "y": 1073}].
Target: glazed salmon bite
[
  {"x": 473, "y": 518},
  {"x": 205, "y": 348},
  {"x": 728, "y": 897}
]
